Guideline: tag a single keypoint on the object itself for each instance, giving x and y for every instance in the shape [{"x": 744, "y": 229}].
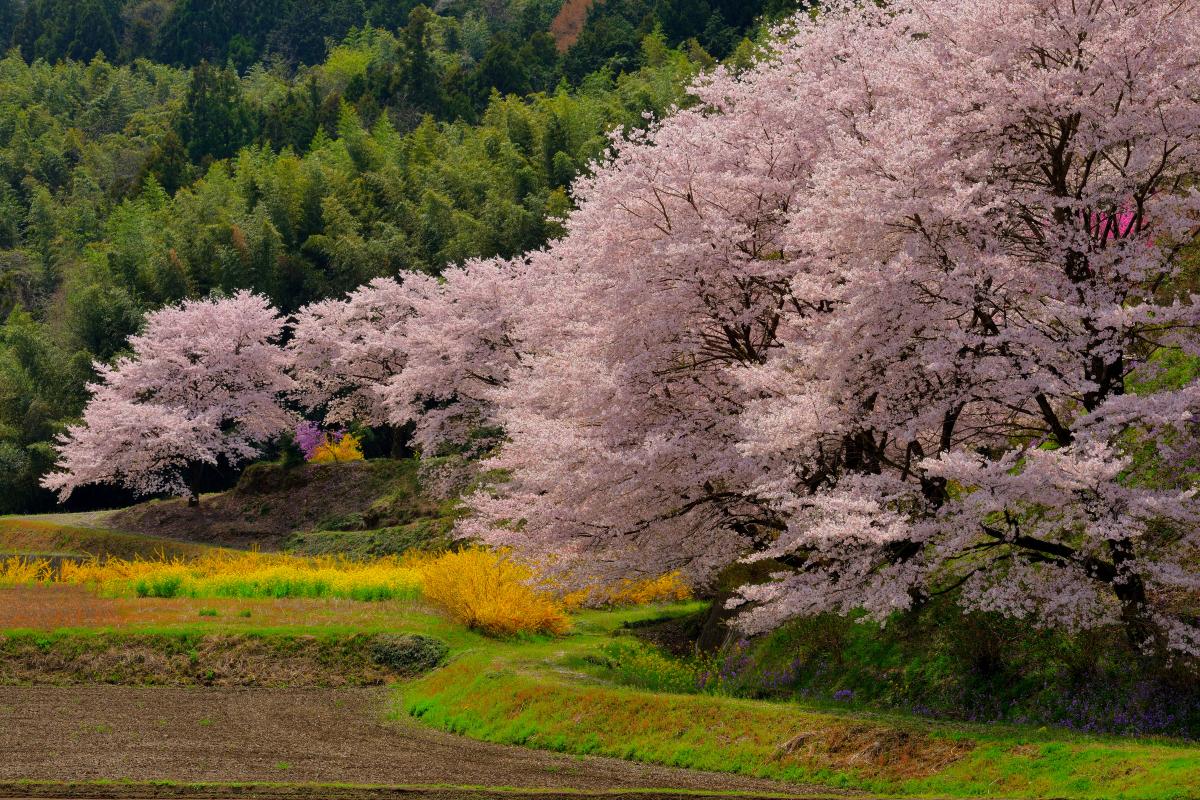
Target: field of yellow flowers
[{"x": 482, "y": 589}]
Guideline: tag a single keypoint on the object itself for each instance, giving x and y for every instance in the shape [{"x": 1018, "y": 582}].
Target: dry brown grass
[
  {"x": 875, "y": 750},
  {"x": 25, "y": 535}
]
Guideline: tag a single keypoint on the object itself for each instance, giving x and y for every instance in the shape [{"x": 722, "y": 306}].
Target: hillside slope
[{"x": 350, "y": 502}]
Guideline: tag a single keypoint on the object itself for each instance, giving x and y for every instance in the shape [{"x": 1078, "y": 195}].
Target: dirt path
[{"x": 282, "y": 736}]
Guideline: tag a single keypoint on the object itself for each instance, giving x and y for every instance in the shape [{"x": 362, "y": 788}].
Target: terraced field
[{"x": 126, "y": 697}]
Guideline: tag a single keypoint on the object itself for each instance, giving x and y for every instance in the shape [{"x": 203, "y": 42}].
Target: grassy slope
[
  {"x": 201, "y": 658},
  {"x": 55, "y": 535},
  {"x": 539, "y": 693},
  {"x": 527, "y": 693},
  {"x": 360, "y": 509}
]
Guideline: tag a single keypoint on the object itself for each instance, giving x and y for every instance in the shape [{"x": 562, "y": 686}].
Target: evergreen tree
[
  {"x": 500, "y": 70},
  {"x": 168, "y": 163},
  {"x": 9, "y": 14},
  {"x": 216, "y": 118},
  {"x": 419, "y": 82}
]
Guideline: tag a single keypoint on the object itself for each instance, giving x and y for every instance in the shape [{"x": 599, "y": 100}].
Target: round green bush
[{"x": 409, "y": 654}]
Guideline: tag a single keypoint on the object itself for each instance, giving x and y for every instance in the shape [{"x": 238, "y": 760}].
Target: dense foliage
[
  {"x": 478, "y": 42},
  {"x": 940, "y": 664},
  {"x": 908, "y": 342},
  {"x": 127, "y": 184}
]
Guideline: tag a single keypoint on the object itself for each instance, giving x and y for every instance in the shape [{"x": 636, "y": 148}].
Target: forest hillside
[{"x": 155, "y": 150}]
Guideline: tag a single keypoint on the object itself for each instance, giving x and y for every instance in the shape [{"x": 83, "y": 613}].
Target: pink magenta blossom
[{"x": 871, "y": 309}]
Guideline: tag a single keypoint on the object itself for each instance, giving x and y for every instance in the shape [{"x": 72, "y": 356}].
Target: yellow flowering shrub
[
  {"x": 18, "y": 571},
  {"x": 490, "y": 592},
  {"x": 348, "y": 448},
  {"x": 668, "y": 588},
  {"x": 224, "y": 573}
]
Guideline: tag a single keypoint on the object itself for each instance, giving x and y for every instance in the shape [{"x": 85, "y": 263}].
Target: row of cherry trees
[{"x": 878, "y": 309}]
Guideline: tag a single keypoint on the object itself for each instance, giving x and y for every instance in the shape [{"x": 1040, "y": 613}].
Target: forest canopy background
[{"x": 152, "y": 151}]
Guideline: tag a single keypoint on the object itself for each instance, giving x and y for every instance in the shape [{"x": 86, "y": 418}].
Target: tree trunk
[{"x": 1143, "y": 633}]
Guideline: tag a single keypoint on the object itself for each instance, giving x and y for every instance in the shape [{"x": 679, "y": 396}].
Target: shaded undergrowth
[{"x": 939, "y": 664}]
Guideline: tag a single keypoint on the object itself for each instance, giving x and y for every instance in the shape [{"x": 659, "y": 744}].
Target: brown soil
[
  {"x": 874, "y": 750},
  {"x": 265, "y": 507},
  {"x": 240, "y": 791},
  {"x": 569, "y": 23},
  {"x": 48, "y": 608},
  {"x": 227, "y": 736}
]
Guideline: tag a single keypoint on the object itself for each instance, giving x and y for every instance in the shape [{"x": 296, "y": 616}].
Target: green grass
[
  {"x": 532, "y": 693},
  {"x": 425, "y": 535},
  {"x": 34, "y": 536},
  {"x": 558, "y": 694},
  {"x": 266, "y": 586}
]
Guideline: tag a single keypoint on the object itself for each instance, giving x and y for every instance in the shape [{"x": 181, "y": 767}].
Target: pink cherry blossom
[
  {"x": 839, "y": 313},
  {"x": 203, "y": 385}
]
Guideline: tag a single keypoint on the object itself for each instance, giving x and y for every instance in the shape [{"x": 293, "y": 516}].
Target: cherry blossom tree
[
  {"x": 459, "y": 346},
  {"x": 999, "y": 253},
  {"x": 344, "y": 350},
  {"x": 875, "y": 309},
  {"x": 624, "y": 406},
  {"x": 203, "y": 386},
  {"x": 416, "y": 351},
  {"x": 900, "y": 308}
]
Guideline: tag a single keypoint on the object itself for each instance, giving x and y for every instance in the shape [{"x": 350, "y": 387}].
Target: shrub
[
  {"x": 18, "y": 570},
  {"x": 666, "y": 588},
  {"x": 641, "y": 591},
  {"x": 634, "y": 663},
  {"x": 268, "y": 478},
  {"x": 490, "y": 592},
  {"x": 335, "y": 450},
  {"x": 342, "y": 522},
  {"x": 411, "y": 654}
]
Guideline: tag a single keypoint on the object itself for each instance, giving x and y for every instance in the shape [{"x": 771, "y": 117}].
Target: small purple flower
[
  {"x": 310, "y": 436},
  {"x": 844, "y": 695}
]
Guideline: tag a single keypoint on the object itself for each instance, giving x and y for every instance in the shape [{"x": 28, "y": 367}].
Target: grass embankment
[
  {"x": 361, "y": 509},
  {"x": 194, "y": 657},
  {"x": 548, "y": 694},
  {"x": 58, "y": 607},
  {"x": 50, "y": 537}
]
